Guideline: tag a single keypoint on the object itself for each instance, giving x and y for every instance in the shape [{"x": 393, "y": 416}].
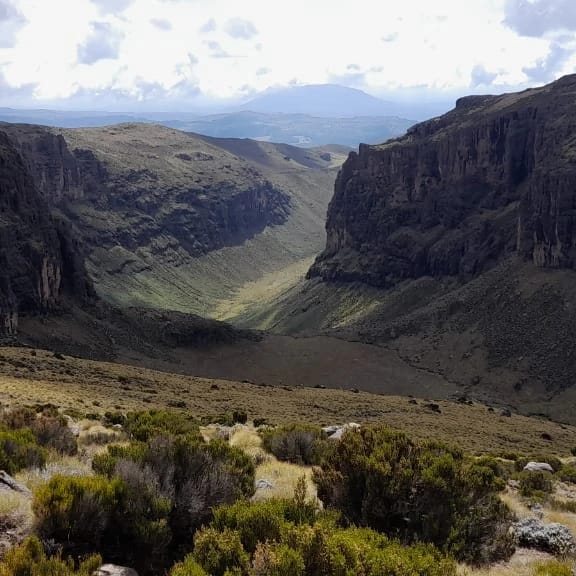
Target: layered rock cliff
[
  {"x": 495, "y": 176},
  {"x": 40, "y": 261}
]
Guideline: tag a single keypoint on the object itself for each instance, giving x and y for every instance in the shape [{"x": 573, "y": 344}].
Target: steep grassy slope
[
  {"x": 159, "y": 268},
  {"x": 28, "y": 376},
  {"x": 176, "y": 221}
]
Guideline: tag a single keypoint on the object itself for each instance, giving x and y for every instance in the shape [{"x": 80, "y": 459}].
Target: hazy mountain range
[{"x": 312, "y": 115}]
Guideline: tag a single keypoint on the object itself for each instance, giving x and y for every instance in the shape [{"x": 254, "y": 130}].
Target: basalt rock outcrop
[
  {"x": 40, "y": 261},
  {"x": 492, "y": 178}
]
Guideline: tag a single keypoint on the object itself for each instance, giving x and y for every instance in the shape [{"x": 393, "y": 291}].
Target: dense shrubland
[
  {"x": 379, "y": 478},
  {"x": 163, "y": 500}
]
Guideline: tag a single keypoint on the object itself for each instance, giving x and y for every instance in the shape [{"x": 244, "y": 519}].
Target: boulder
[
  {"x": 554, "y": 538},
  {"x": 538, "y": 467},
  {"x": 264, "y": 485},
  {"x": 113, "y": 570}
]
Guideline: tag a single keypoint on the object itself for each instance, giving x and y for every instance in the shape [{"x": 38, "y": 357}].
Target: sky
[{"x": 131, "y": 54}]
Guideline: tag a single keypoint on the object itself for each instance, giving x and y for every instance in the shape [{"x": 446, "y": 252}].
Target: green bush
[
  {"x": 29, "y": 559},
  {"x": 427, "y": 492},
  {"x": 144, "y": 425},
  {"x": 567, "y": 474},
  {"x": 188, "y": 567},
  {"x": 277, "y": 560},
  {"x": 77, "y": 511},
  {"x": 279, "y": 542},
  {"x": 535, "y": 484},
  {"x": 262, "y": 521},
  {"x": 187, "y": 475},
  {"x": 124, "y": 518},
  {"x": 501, "y": 468},
  {"x": 220, "y": 551},
  {"x": 19, "y": 450},
  {"x": 50, "y": 428},
  {"x": 297, "y": 443}
]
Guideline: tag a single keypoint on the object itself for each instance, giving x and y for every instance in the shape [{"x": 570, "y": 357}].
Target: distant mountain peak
[{"x": 320, "y": 100}]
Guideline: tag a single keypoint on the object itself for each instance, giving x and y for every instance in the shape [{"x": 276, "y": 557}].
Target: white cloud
[
  {"x": 103, "y": 43},
  {"x": 141, "y": 49}
]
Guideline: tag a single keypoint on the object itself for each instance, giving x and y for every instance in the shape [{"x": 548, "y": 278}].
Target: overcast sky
[{"x": 126, "y": 53}]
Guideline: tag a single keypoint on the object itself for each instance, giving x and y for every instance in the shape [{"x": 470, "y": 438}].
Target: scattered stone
[
  {"x": 117, "y": 426},
  {"x": 264, "y": 485},
  {"x": 546, "y": 436},
  {"x": 8, "y": 483},
  {"x": 554, "y": 538},
  {"x": 434, "y": 407},
  {"x": 538, "y": 467},
  {"x": 412, "y": 401},
  {"x": 506, "y": 413},
  {"x": 113, "y": 570},
  {"x": 214, "y": 387},
  {"x": 75, "y": 429}
]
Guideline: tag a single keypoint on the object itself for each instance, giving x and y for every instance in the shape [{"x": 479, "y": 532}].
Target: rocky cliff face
[
  {"x": 39, "y": 260},
  {"x": 495, "y": 176}
]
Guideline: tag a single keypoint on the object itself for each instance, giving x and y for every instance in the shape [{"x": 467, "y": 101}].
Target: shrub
[
  {"x": 239, "y": 417},
  {"x": 260, "y": 521},
  {"x": 427, "y": 492},
  {"x": 76, "y": 511},
  {"x": 113, "y": 418},
  {"x": 567, "y": 474},
  {"x": 279, "y": 545},
  {"x": 573, "y": 451},
  {"x": 54, "y": 433},
  {"x": 18, "y": 418},
  {"x": 300, "y": 444},
  {"x": 188, "y": 567},
  {"x": 277, "y": 560},
  {"x": 19, "y": 450},
  {"x": 502, "y": 469},
  {"x": 29, "y": 559},
  {"x": 219, "y": 551},
  {"x": 191, "y": 476},
  {"x": 535, "y": 484},
  {"x": 144, "y": 425},
  {"x": 125, "y": 518}
]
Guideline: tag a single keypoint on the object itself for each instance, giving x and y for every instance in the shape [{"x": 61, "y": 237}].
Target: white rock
[
  {"x": 113, "y": 570},
  {"x": 538, "y": 467},
  {"x": 264, "y": 485}
]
